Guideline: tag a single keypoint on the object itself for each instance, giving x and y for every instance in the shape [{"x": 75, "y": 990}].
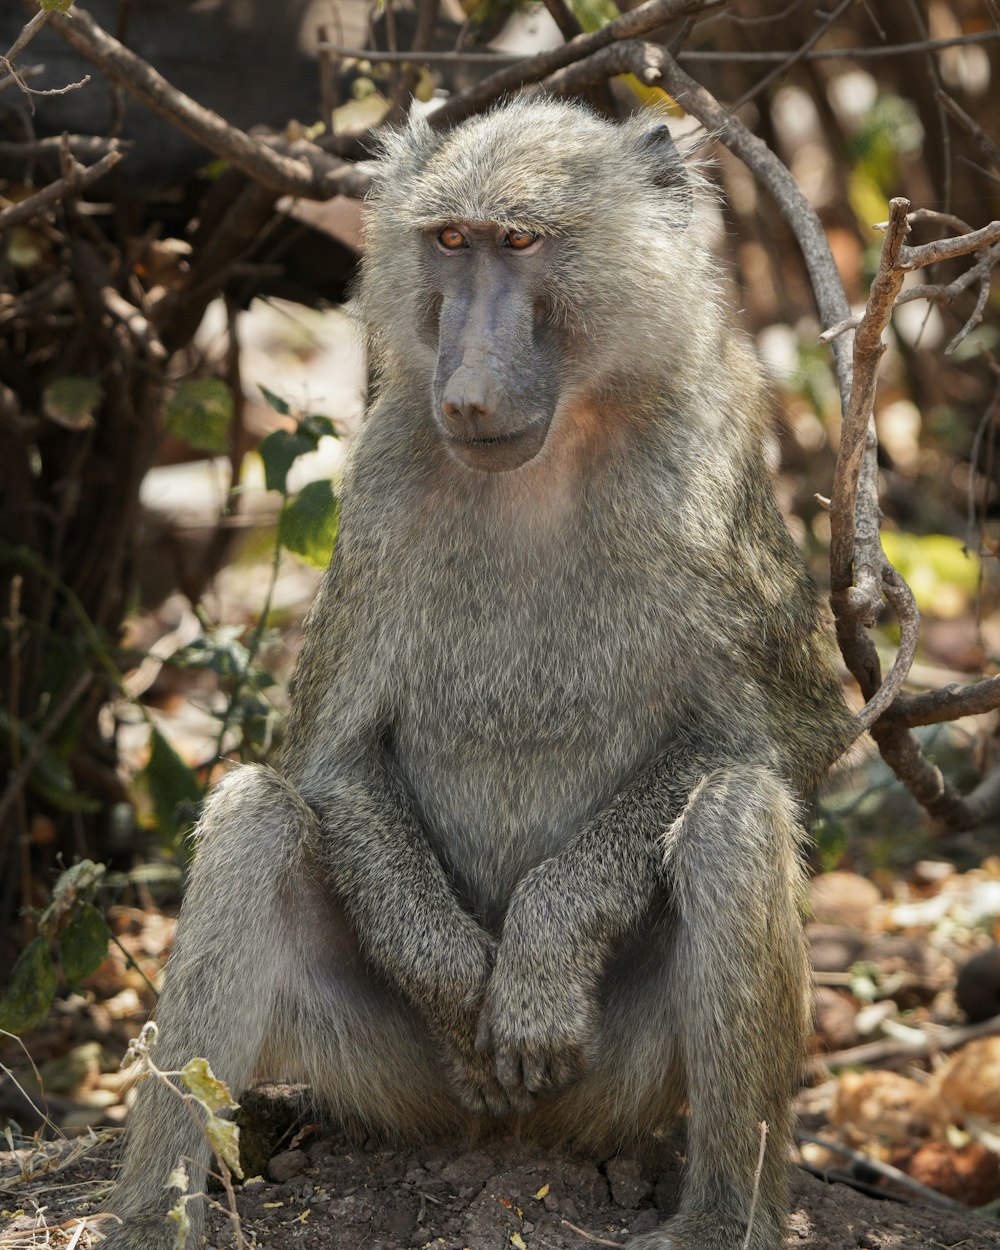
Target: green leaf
[
  {"x": 212, "y": 1093},
  {"x": 173, "y": 787},
  {"x": 74, "y": 887},
  {"x": 308, "y": 524},
  {"x": 225, "y": 1138},
  {"x": 279, "y": 451},
  {"x": 83, "y": 944},
  {"x": 200, "y": 413},
  {"x": 318, "y": 426},
  {"x": 279, "y": 405},
  {"x": 31, "y": 990},
  {"x": 221, "y": 651},
  {"x": 55, "y": 6},
  {"x": 72, "y": 402}
]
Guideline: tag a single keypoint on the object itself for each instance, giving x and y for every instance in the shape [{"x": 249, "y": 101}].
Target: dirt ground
[{"x": 321, "y": 1193}]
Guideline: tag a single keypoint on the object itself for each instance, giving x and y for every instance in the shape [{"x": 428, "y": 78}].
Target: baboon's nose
[{"x": 465, "y": 409}]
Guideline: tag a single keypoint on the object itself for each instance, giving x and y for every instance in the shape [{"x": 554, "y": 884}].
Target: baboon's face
[{"x": 496, "y": 380}]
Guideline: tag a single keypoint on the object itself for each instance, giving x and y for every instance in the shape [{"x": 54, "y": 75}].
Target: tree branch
[
  {"x": 640, "y": 21},
  {"x": 307, "y": 172},
  {"x": 79, "y": 176}
]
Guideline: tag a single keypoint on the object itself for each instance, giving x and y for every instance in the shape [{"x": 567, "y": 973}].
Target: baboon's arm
[
  {"x": 410, "y": 925},
  {"x": 383, "y": 870},
  {"x": 565, "y": 918}
]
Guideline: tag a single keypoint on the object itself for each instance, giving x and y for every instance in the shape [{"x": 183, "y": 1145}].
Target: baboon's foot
[
  {"x": 153, "y": 1233},
  {"x": 709, "y": 1232}
]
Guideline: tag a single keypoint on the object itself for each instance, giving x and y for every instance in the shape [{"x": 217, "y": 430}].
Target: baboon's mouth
[
  {"x": 494, "y": 453},
  {"x": 495, "y": 440}
]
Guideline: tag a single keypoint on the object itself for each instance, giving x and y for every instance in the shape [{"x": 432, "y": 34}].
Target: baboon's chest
[{"x": 520, "y": 710}]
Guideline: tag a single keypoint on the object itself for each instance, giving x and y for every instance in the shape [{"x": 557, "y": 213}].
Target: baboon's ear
[{"x": 669, "y": 170}]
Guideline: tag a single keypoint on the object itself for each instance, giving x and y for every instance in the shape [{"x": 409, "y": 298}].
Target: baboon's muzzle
[{"x": 494, "y": 385}]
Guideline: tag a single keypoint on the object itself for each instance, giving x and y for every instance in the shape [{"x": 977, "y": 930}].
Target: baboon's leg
[
  {"x": 264, "y": 980},
  {"x": 741, "y": 1005}
]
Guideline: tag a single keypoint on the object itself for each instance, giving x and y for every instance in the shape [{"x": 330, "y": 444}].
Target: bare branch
[
  {"x": 787, "y": 194},
  {"x": 83, "y": 147},
  {"x": 629, "y": 56},
  {"x": 28, "y": 32},
  {"x": 564, "y": 18},
  {"x": 949, "y": 249},
  {"x": 946, "y": 704},
  {"x": 640, "y": 21},
  {"x": 868, "y": 349},
  {"x": 941, "y": 293},
  {"x": 987, "y": 146},
  {"x": 889, "y": 1053},
  {"x": 309, "y": 172},
  {"x": 80, "y": 176}
]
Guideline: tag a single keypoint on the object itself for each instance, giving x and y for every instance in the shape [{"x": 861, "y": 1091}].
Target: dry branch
[
  {"x": 640, "y": 21},
  {"x": 310, "y": 172},
  {"x": 889, "y": 1053},
  {"x": 80, "y": 176},
  {"x": 629, "y": 56},
  {"x": 861, "y": 555},
  {"x": 987, "y": 146}
]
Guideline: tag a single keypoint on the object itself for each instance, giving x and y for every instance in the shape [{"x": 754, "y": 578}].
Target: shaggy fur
[{"x": 531, "y": 852}]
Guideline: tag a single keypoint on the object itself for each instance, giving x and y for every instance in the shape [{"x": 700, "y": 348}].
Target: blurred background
[{"x": 180, "y": 376}]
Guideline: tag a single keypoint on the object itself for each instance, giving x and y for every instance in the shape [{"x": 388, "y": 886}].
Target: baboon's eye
[
  {"x": 519, "y": 239},
  {"x": 451, "y": 238}
]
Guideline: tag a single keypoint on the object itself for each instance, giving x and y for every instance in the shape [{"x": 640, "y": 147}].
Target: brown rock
[
  {"x": 286, "y": 1165},
  {"x": 843, "y": 898},
  {"x": 835, "y": 1016}
]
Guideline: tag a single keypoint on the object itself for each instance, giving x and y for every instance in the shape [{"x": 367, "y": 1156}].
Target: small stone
[
  {"x": 286, "y": 1165},
  {"x": 836, "y": 1018},
  {"x": 645, "y": 1222},
  {"x": 833, "y": 948},
  {"x": 628, "y": 1188},
  {"x": 844, "y": 898},
  {"x": 550, "y": 1202}
]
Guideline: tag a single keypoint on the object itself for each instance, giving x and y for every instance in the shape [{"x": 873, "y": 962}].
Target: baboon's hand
[
  {"x": 540, "y": 1016},
  {"x": 471, "y": 1075},
  {"x": 450, "y": 994}
]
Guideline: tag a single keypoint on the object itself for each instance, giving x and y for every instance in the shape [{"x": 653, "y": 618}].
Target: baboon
[{"x": 531, "y": 853}]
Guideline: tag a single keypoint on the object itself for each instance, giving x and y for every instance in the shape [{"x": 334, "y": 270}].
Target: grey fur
[{"x": 532, "y": 847}]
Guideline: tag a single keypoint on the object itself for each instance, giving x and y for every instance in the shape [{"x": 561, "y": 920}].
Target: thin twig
[
  {"x": 931, "y": 1196},
  {"x": 425, "y": 57},
  {"x": 640, "y": 21},
  {"x": 948, "y": 249},
  {"x": 80, "y": 176},
  {"x": 41, "y": 740},
  {"x": 28, "y": 32},
  {"x": 940, "y": 293},
  {"x": 598, "y": 1241},
  {"x": 83, "y": 147},
  {"x": 305, "y": 170},
  {"x": 756, "y": 1184},
  {"x": 987, "y": 146},
  {"x": 889, "y": 1053},
  {"x": 792, "y": 58}
]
